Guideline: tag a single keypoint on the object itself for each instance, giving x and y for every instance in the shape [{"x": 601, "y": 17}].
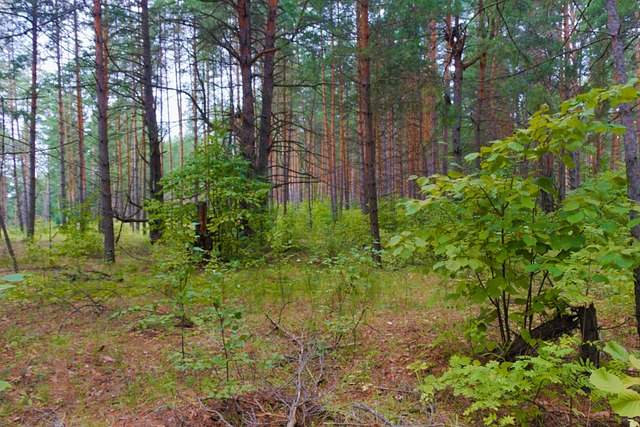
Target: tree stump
[{"x": 204, "y": 240}]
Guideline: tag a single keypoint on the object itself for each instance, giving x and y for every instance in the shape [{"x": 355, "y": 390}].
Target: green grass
[{"x": 78, "y": 337}]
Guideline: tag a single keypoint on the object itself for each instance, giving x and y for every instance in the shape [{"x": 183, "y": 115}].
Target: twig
[
  {"x": 289, "y": 335},
  {"x": 374, "y": 413},
  {"x": 217, "y": 414}
]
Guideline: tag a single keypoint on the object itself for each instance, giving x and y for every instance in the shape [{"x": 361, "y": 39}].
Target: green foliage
[
  {"x": 510, "y": 393},
  {"x": 625, "y": 400},
  {"x": 81, "y": 236},
  {"x": 518, "y": 262},
  {"x": 315, "y": 231},
  {"x": 215, "y": 175},
  {"x": 10, "y": 278}
]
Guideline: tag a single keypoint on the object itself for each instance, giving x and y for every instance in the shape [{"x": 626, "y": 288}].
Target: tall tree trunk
[
  {"x": 195, "y": 77},
  {"x": 151, "y": 124},
  {"x": 14, "y": 139},
  {"x": 630, "y": 141},
  {"x": 246, "y": 131},
  {"x": 82, "y": 176},
  {"x": 61, "y": 131},
  {"x": 264, "y": 145},
  {"x": 457, "y": 39},
  {"x": 482, "y": 86},
  {"x": 103, "y": 135},
  {"x": 31, "y": 204},
  {"x": 367, "y": 140}
]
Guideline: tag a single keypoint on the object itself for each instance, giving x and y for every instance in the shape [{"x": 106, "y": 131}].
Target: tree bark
[
  {"x": 103, "y": 135},
  {"x": 31, "y": 202},
  {"x": 82, "y": 178},
  {"x": 61, "y": 131},
  {"x": 367, "y": 140},
  {"x": 457, "y": 39},
  {"x": 151, "y": 124},
  {"x": 630, "y": 141},
  {"x": 246, "y": 131},
  {"x": 264, "y": 145},
  {"x": 7, "y": 241}
]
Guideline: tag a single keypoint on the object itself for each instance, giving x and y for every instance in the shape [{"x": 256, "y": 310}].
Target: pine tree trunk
[
  {"x": 151, "y": 124},
  {"x": 61, "y": 132},
  {"x": 103, "y": 135},
  {"x": 82, "y": 176},
  {"x": 31, "y": 203},
  {"x": 368, "y": 141},
  {"x": 246, "y": 131},
  {"x": 264, "y": 145}
]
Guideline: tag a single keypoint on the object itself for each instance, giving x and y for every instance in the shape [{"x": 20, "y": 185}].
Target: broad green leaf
[
  {"x": 630, "y": 381},
  {"x": 5, "y": 287},
  {"x": 568, "y": 161},
  {"x": 395, "y": 240},
  {"x": 627, "y": 404},
  {"x": 4, "y": 385},
  {"x": 576, "y": 217},
  {"x": 634, "y": 361},
  {"x": 13, "y": 278},
  {"x": 618, "y": 129},
  {"x": 616, "y": 351},
  {"x": 628, "y": 93},
  {"x": 571, "y": 205},
  {"x": 413, "y": 208},
  {"x": 420, "y": 242},
  {"x": 606, "y": 381},
  {"x": 546, "y": 184},
  {"x": 471, "y": 157},
  {"x": 515, "y": 146},
  {"x": 599, "y": 278}
]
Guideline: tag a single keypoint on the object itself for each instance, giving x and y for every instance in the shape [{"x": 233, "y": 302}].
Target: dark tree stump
[
  {"x": 204, "y": 240},
  {"x": 549, "y": 330},
  {"x": 590, "y": 335}
]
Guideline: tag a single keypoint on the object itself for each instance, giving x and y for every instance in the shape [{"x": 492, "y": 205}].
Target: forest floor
[{"x": 290, "y": 343}]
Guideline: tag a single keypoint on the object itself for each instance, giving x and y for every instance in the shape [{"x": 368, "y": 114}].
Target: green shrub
[
  {"x": 519, "y": 263},
  {"x": 235, "y": 203},
  {"x": 510, "y": 393}
]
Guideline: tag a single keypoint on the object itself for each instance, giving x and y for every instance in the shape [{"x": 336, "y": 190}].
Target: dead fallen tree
[{"x": 583, "y": 318}]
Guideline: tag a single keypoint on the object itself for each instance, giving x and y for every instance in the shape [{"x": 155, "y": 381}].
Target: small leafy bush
[
  {"x": 318, "y": 233},
  {"x": 519, "y": 263},
  {"x": 235, "y": 202},
  {"x": 511, "y": 393},
  {"x": 81, "y": 238}
]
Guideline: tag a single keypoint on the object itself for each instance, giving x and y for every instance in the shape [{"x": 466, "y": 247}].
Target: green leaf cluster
[
  {"x": 520, "y": 263},
  {"x": 216, "y": 175},
  {"x": 625, "y": 400},
  {"x": 510, "y": 393}
]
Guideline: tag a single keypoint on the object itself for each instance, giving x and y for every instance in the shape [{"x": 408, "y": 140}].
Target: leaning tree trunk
[
  {"x": 630, "y": 141},
  {"x": 103, "y": 136}
]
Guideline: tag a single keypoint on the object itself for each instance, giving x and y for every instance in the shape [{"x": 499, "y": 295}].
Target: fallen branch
[{"x": 374, "y": 413}]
